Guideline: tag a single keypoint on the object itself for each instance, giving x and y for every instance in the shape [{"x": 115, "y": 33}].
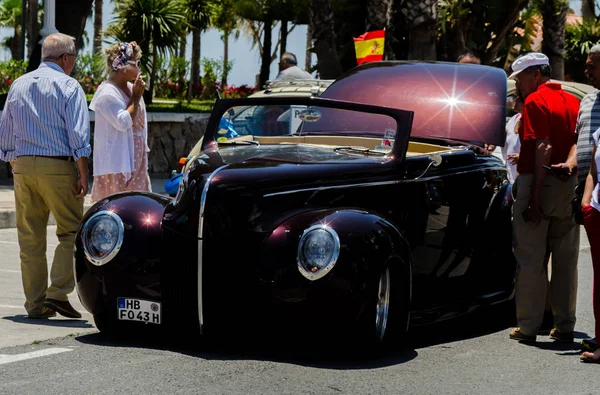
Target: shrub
[
  {"x": 9, "y": 71},
  {"x": 171, "y": 78},
  {"x": 90, "y": 71},
  {"x": 234, "y": 92},
  {"x": 579, "y": 39}
]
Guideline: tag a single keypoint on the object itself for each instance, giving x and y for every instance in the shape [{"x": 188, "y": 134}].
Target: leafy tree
[
  {"x": 481, "y": 26},
  {"x": 579, "y": 39},
  {"x": 155, "y": 25},
  {"x": 323, "y": 33},
  {"x": 10, "y": 16}
]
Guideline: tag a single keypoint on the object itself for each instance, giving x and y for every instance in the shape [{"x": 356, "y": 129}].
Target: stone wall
[{"x": 170, "y": 136}]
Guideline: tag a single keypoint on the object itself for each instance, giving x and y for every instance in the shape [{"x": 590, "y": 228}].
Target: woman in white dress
[{"x": 121, "y": 128}]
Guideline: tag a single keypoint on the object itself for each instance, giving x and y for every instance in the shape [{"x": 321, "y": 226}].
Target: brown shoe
[
  {"x": 516, "y": 334},
  {"x": 561, "y": 337},
  {"x": 46, "y": 313},
  {"x": 63, "y": 308}
]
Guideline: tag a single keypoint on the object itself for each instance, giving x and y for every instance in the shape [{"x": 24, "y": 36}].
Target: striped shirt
[
  {"x": 45, "y": 114},
  {"x": 588, "y": 122}
]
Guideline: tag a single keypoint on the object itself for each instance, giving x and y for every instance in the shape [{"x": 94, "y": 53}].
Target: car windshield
[{"x": 301, "y": 120}]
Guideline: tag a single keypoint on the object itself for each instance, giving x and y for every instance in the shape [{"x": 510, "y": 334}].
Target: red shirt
[{"x": 549, "y": 113}]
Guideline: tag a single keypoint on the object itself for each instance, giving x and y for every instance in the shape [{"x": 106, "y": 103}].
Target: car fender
[{"x": 135, "y": 270}]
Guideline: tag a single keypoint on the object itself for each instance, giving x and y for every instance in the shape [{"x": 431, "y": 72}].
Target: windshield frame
[{"x": 403, "y": 118}]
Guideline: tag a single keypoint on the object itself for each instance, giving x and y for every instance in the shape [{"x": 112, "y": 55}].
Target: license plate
[{"x": 138, "y": 310}]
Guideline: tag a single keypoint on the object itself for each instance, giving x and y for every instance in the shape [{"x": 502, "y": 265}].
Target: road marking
[
  {"x": 10, "y": 271},
  {"x": 17, "y": 243},
  {"x": 4, "y": 358},
  {"x": 8, "y": 306}
]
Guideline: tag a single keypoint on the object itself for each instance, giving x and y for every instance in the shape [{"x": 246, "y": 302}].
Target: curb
[{"x": 8, "y": 217}]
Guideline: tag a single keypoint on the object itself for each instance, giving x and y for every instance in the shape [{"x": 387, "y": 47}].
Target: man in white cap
[{"x": 542, "y": 213}]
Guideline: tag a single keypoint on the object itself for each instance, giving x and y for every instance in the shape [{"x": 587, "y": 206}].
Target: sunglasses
[{"x": 135, "y": 63}]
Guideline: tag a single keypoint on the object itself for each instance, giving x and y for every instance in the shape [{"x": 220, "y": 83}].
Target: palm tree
[
  {"x": 98, "y": 26},
  {"x": 226, "y": 21},
  {"x": 554, "y": 13},
  {"x": 156, "y": 25},
  {"x": 323, "y": 34},
  {"x": 421, "y": 16},
  {"x": 198, "y": 14},
  {"x": 10, "y": 16}
]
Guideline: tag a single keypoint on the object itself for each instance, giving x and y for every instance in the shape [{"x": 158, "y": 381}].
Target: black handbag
[{"x": 576, "y": 204}]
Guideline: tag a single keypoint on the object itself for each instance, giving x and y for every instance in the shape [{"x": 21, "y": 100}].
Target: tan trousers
[
  {"x": 559, "y": 231},
  {"x": 43, "y": 186}
]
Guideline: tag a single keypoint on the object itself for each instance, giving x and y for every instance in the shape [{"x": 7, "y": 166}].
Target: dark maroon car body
[{"x": 223, "y": 255}]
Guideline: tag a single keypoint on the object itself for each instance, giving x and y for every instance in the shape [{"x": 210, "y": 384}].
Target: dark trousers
[{"x": 591, "y": 221}]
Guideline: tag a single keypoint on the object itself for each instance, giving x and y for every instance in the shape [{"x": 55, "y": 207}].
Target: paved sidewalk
[{"x": 7, "y": 201}]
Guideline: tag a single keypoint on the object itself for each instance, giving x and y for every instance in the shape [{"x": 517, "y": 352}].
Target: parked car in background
[{"x": 375, "y": 211}]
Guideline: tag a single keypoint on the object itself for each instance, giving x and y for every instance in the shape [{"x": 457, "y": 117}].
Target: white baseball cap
[{"x": 528, "y": 60}]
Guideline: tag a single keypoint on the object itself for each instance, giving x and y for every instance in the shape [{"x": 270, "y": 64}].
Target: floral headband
[{"x": 124, "y": 56}]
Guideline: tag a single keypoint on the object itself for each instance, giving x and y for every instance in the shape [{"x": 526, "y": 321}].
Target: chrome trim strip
[
  {"x": 99, "y": 261},
  {"x": 200, "y": 234},
  {"x": 378, "y": 183}
]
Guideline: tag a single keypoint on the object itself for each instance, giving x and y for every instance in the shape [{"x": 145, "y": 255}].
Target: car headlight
[
  {"x": 102, "y": 237},
  {"x": 318, "y": 251}
]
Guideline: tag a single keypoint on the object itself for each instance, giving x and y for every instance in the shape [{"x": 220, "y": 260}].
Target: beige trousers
[
  {"x": 43, "y": 186},
  {"x": 559, "y": 231}
]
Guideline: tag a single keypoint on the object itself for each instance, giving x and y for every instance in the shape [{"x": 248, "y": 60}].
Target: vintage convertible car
[{"x": 361, "y": 212}]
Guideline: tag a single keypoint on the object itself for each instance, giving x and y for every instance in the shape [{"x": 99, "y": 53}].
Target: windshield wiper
[
  {"x": 241, "y": 142},
  {"x": 361, "y": 150}
]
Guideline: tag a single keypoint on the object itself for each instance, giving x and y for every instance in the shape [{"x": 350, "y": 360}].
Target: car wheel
[
  {"x": 104, "y": 324},
  {"x": 382, "y": 307},
  {"x": 385, "y": 319}
]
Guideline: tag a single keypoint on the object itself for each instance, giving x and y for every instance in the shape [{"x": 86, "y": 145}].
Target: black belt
[{"x": 67, "y": 158}]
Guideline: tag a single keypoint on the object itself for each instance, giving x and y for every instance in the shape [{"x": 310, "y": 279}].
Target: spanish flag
[{"x": 369, "y": 46}]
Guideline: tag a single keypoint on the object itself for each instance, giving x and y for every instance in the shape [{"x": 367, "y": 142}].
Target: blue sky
[{"x": 246, "y": 60}]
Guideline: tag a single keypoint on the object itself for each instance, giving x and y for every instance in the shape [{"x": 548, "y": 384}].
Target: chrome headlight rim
[
  {"x": 334, "y": 256},
  {"x": 84, "y": 238}
]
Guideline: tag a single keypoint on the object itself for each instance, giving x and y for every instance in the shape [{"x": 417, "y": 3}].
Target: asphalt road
[{"x": 472, "y": 355}]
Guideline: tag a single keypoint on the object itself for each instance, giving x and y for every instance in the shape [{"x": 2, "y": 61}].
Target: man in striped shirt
[
  {"x": 45, "y": 135},
  {"x": 588, "y": 121}
]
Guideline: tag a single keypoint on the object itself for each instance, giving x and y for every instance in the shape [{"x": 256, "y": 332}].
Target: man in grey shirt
[
  {"x": 588, "y": 121},
  {"x": 288, "y": 69}
]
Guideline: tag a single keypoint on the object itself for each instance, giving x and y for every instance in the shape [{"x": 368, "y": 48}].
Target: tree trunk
[
  {"x": 149, "y": 94},
  {"x": 321, "y": 19},
  {"x": 195, "y": 77},
  {"x": 33, "y": 25},
  {"x": 15, "y": 45},
  {"x": 266, "y": 54},
  {"x": 71, "y": 18},
  {"x": 588, "y": 10},
  {"x": 98, "y": 26},
  {"x": 225, "y": 58},
  {"x": 283, "y": 35},
  {"x": 309, "y": 45},
  {"x": 379, "y": 16},
  {"x": 421, "y": 19},
  {"x": 554, "y": 14}
]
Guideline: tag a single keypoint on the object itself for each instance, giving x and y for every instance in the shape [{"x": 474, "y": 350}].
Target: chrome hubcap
[{"x": 383, "y": 304}]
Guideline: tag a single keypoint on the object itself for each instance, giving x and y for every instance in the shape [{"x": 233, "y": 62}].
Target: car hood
[{"x": 450, "y": 100}]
